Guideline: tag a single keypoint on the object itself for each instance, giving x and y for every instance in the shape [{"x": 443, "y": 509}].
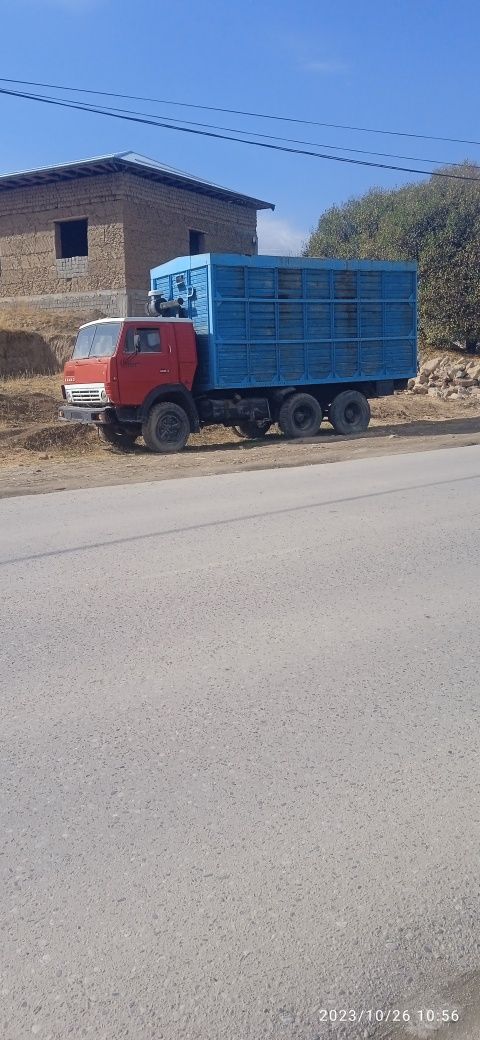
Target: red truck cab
[{"x": 122, "y": 369}]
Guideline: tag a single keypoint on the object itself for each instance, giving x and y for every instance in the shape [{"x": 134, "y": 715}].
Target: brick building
[{"x": 85, "y": 235}]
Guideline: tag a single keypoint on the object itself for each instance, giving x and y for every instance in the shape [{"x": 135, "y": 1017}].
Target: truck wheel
[
  {"x": 117, "y": 437},
  {"x": 252, "y": 429},
  {"x": 349, "y": 412},
  {"x": 167, "y": 428},
  {"x": 300, "y": 415}
]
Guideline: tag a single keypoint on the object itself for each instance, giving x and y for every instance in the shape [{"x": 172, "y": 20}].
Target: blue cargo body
[{"x": 267, "y": 321}]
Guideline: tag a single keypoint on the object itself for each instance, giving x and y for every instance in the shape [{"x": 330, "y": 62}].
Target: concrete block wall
[
  {"x": 72, "y": 267},
  {"x": 108, "y": 304}
]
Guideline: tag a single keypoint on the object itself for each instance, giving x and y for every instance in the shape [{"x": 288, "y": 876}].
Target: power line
[
  {"x": 113, "y": 114},
  {"x": 287, "y": 140},
  {"x": 240, "y": 112},
  {"x": 274, "y": 137}
]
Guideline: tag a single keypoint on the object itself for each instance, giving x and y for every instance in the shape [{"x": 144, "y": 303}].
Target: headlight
[
  {"x": 103, "y": 395},
  {"x": 68, "y": 394}
]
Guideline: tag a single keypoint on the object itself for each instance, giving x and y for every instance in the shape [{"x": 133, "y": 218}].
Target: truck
[{"x": 247, "y": 342}]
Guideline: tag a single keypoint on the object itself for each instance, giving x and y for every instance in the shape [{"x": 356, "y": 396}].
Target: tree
[{"x": 436, "y": 223}]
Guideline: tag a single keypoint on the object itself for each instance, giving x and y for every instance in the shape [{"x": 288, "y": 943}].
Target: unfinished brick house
[{"x": 85, "y": 235}]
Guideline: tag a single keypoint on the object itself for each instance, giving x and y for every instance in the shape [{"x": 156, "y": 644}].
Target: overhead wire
[
  {"x": 286, "y": 140},
  {"x": 216, "y": 134},
  {"x": 241, "y": 112}
]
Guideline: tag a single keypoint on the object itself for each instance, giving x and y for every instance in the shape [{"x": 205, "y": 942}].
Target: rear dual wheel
[
  {"x": 300, "y": 415},
  {"x": 349, "y": 412}
]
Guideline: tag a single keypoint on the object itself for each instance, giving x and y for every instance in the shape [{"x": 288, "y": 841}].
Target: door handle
[{"x": 163, "y": 371}]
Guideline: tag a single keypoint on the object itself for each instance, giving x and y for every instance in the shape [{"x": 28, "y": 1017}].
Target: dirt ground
[{"x": 39, "y": 454}]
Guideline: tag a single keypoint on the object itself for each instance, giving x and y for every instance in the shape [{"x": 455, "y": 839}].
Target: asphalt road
[{"x": 239, "y": 776}]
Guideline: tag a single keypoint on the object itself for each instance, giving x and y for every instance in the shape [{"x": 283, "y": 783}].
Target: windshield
[{"x": 97, "y": 340}]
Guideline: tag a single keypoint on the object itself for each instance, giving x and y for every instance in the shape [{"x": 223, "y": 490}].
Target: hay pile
[{"x": 38, "y": 342}]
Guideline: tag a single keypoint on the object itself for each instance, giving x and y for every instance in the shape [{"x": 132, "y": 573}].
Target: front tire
[
  {"x": 300, "y": 415},
  {"x": 167, "y": 428},
  {"x": 349, "y": 412}
]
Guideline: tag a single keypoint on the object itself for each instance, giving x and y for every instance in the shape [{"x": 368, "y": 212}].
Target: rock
[
  {"x": 464, "y": 382},
  {"x": 422, "y": 378},
  {"x": 433, "y": 391},
  {"x": 420, "y": 388},
  {"x": 431, "y": 366},
  {"x": 411, "y": 384}
]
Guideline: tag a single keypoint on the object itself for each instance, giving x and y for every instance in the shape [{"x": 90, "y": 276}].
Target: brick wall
[{"x": 133, "y": 225}]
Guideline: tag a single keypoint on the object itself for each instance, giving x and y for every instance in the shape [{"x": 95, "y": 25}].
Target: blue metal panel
[
  {"x": 345, "y": 285},
  {"x": 272, "y": 321},
  {"x": 317, "y": 285},
  {"x": 370, "y": 285},
  {"x": 293, "y": 363},
  {"x": 229, "y": 282},
  {"x": 261, "y": 282},
  {"x": 290, "y": 321}
]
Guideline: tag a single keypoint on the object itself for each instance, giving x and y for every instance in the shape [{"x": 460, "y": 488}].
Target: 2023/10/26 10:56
[{"x": 422, "y": 1016}]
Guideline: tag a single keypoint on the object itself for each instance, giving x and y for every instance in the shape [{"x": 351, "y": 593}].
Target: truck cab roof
[{"x": 136, "y": 318}]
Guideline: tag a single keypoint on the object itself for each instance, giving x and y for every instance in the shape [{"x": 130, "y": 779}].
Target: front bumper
[{"x": 71, "y": 413}]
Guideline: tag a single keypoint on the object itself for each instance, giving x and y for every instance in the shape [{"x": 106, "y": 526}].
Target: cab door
[{"x": 147, "y": 358}]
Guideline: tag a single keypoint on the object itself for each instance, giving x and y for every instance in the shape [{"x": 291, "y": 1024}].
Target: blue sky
[{"x": 396, "y": 64}]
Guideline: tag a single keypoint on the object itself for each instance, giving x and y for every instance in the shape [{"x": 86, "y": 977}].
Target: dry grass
[
  {"x": 38, "y": 341},
  {"x": 59, "y": 439},
  {"x": 29, "y": 399}
]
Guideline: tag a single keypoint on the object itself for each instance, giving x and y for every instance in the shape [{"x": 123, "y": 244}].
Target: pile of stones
[{"x": 443, "y": 377}]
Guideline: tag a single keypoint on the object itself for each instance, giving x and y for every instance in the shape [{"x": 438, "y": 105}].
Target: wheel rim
[
  {"x": 352, "y": 413},
  {"x": 169, "y": 428},
  {"x": 302, "y": 417}
]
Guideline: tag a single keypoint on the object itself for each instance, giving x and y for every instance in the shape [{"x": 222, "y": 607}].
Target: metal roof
[{"x": 127, "y": 162}]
